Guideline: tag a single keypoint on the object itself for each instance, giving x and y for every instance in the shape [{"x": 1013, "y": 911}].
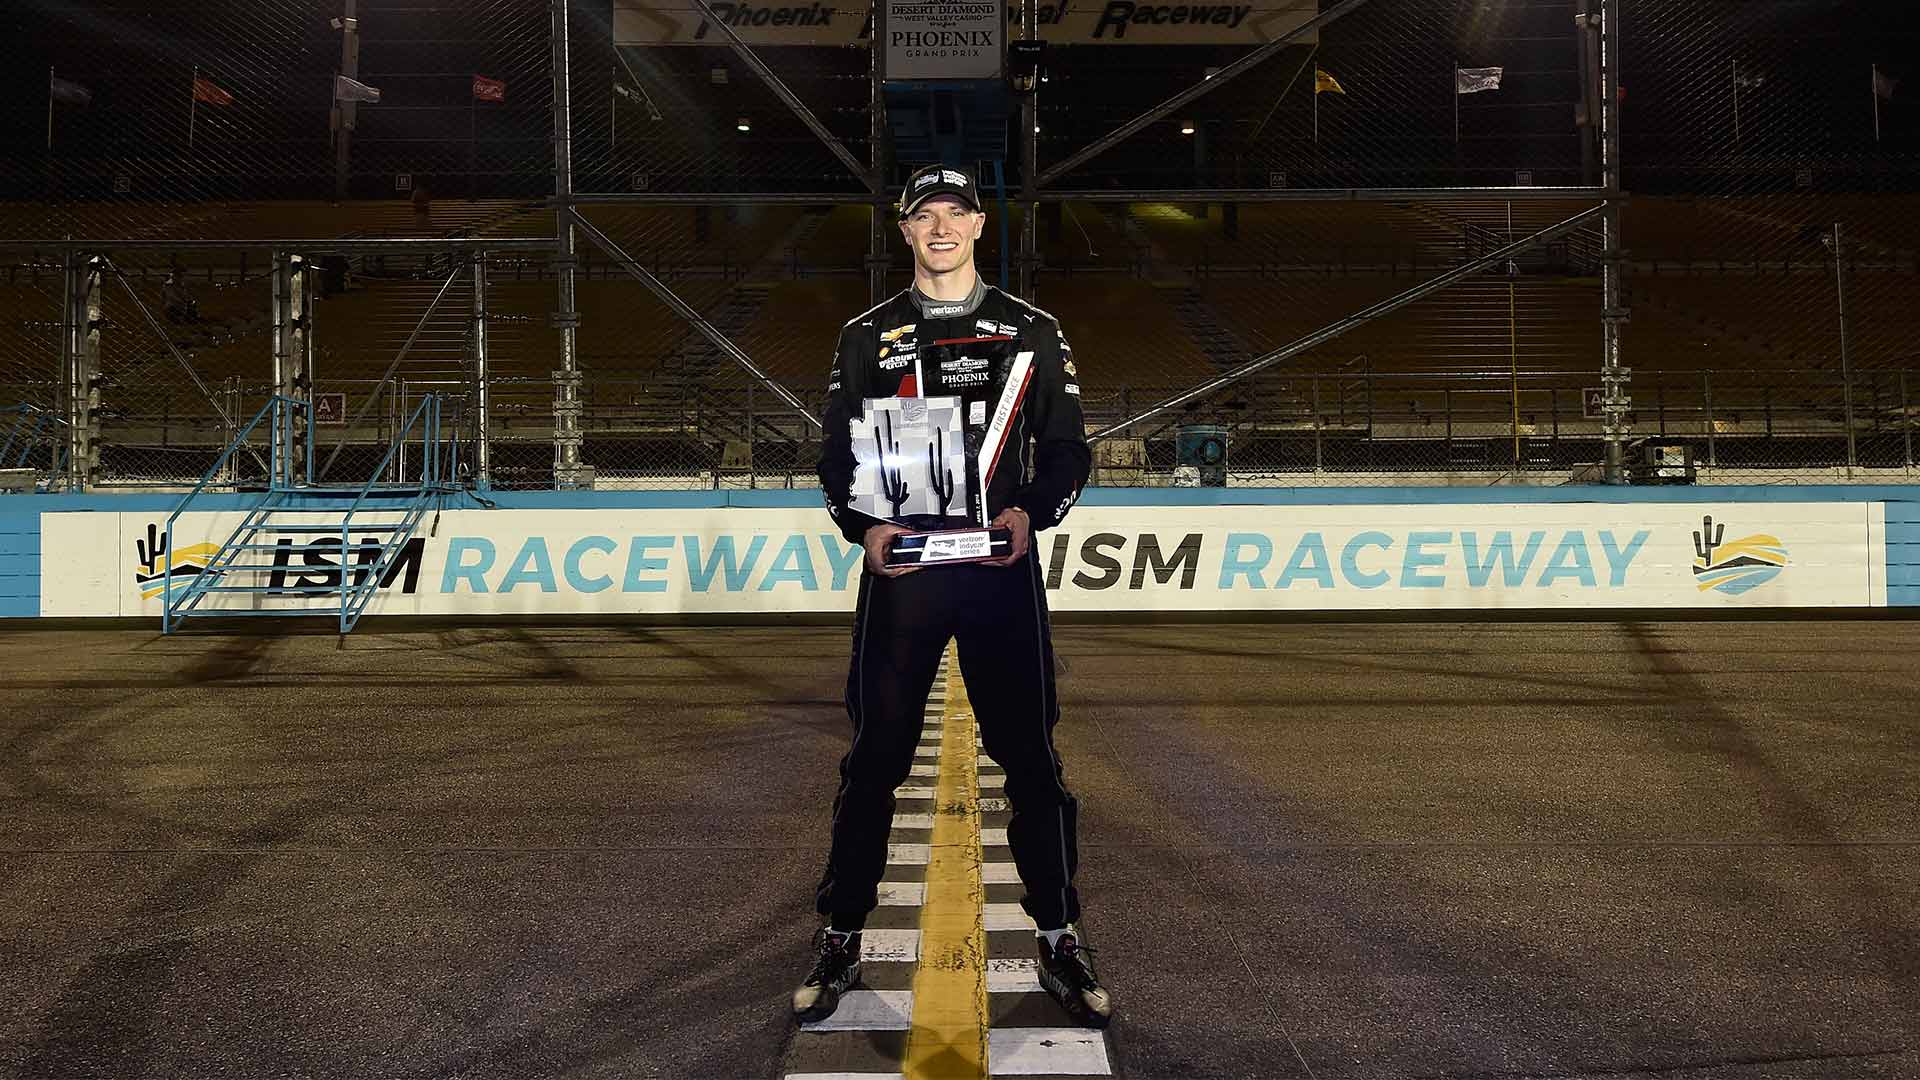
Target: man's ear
[
  {"x": 979, "y": 224},
  {"x": 906, "y": 233}
]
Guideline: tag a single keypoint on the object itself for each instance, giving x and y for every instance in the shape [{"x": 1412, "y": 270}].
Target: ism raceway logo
[
  {"x": 296, "y": 564},
  {"x": 1737, "y": 566}
]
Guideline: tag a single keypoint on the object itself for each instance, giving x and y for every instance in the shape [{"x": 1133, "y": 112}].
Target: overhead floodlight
[
  {"x": 743, "y": 124},
  {"x": 1186, "y": 127}
]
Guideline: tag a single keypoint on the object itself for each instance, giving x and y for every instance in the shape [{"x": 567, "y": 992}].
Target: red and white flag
[
  {"x": 485, "y": 89},
  {"x": 205, "y": 89}
]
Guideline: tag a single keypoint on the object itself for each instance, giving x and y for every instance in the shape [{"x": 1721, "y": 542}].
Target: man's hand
[
  {"x": 878, "y": 540},
  {"x": 1014, "y": 520}
]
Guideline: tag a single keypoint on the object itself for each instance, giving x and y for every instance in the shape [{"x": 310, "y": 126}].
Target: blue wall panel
[
  {"x": 19, "y": 563},
  {"x": 1903, "y": 554}
]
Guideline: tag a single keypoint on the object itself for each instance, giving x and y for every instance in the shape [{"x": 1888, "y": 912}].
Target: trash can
[{"x": 1200, "y": 456}]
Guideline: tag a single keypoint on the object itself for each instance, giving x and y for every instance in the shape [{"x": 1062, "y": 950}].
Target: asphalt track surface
[{"x": 1333, "y": 850}]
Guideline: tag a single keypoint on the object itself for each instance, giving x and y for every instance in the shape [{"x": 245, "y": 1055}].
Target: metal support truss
[
  {"x": 1027, "y": 275},
  {"x": 686, "y": 311},
  {"x": 1183, "y": 98},
  {"x": 477, "y": 334},
  {"x": 567, "y": 472},
  {"x": 400, "y": 245},
  {"x": 1615, "y": 376},
  {"x": 1334, "y": 330},
  {"x": 80, "y": 367},
  {"x": 293, "y": 350},
  {"x": 781, "y": 91},
  {"x": 1133, "y": 195},
  {"x": 160, "y": 334},
  {"x": 386, "y": 377},
  {"x": 878, "y": 254}
]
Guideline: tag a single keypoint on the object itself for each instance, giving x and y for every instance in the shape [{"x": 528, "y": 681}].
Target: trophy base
[{"x": 949, "y": 547}]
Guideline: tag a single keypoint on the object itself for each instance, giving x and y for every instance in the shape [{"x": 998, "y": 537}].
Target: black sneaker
[
  {"x": 836, "y": 972},
  {"x": 1067, "y": 973}
]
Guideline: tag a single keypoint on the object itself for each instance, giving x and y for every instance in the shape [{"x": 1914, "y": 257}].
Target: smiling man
[{"x": 946, "y": 336}]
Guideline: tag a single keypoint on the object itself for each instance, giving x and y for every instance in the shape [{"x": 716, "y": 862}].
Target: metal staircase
[
  {"x": 33, "y": 456},
  {"x": 350, "y": 536}
]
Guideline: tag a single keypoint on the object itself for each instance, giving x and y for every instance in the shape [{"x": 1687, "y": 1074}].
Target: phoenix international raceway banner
[
  {"x": 1062, "y": 22},
  {"x": 1104, "y": 558}
]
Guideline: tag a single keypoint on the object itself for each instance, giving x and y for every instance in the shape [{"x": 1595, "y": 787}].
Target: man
[{"x": 936, "y": 339}]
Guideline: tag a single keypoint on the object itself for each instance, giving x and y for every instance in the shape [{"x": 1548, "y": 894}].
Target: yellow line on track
[{"x": 949, "y": 1036}]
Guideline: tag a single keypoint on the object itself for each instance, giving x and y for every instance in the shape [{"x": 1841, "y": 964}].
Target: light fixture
[
  {"x": 718, "y": 75},
  {"x": 1211, "y": 72},
  {"x": 1186, "y": 127},
  {"x": 743, "y": 124},
  {"x": 1036, "y": 129}
]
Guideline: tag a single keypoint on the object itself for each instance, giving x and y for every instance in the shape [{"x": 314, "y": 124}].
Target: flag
[
  {"x": 345, "y": 89},
  {"x": 205, "y": 89},
  {"x": 485, "y": 89},
  {"x": 631, "y": 92},
  {"x": 1324, "y": 83},
  {"x": 1474, "y": 80},
  {"x": 1883, "y": 86},
  {"x": 68, "y": 93}
]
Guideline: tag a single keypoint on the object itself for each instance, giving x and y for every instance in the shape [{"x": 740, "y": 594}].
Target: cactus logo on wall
[
  {"x": 151, "y": 573},
  {"x": 1735, "y": 566}
]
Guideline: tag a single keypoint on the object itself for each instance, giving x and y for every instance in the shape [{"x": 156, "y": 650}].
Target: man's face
[{"x": 941, "y": 232}]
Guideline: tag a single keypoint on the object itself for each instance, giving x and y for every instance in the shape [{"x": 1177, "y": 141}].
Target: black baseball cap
[{"x": 938, "y": 180}]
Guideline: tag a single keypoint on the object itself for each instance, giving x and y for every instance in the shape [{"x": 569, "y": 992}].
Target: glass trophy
[{"x": 922, "y": 465}]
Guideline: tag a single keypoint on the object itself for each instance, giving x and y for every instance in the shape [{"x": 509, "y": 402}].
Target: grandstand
[{"x": 1258, "y": 215}]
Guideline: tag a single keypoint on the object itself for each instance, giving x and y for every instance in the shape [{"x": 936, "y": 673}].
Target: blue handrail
[
  {"x": 281, "y": 409},
  {"x": 280, "y": 415},
  {"x": 34, "y": 420},
  {"x": 426, "y": 415}
]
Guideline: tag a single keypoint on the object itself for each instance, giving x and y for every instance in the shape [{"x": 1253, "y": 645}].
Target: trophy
[{"x": 920, "y": 461}]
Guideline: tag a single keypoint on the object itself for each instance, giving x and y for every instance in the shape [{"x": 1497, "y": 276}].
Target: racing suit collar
[{"x": 949, "y": 309}]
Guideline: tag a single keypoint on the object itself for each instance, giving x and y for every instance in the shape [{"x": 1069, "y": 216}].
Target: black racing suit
[{"x": 998, "y": 615}]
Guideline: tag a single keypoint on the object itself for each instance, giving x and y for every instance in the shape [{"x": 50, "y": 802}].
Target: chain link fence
[{"x": 1768, "y": 256}]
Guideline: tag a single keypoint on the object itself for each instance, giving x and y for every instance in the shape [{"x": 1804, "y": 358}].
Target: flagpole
[
  {"x": 193, "y": 106},
  {"x": 1513, "y": 342},
  {"x": 1873, "y": 85},
  {"x": 50, "y": 108},
  {"x": 1736, "y": 103},
  {"x": 1316, "y": 106},
  {"x": 1456, "y": 105}
]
